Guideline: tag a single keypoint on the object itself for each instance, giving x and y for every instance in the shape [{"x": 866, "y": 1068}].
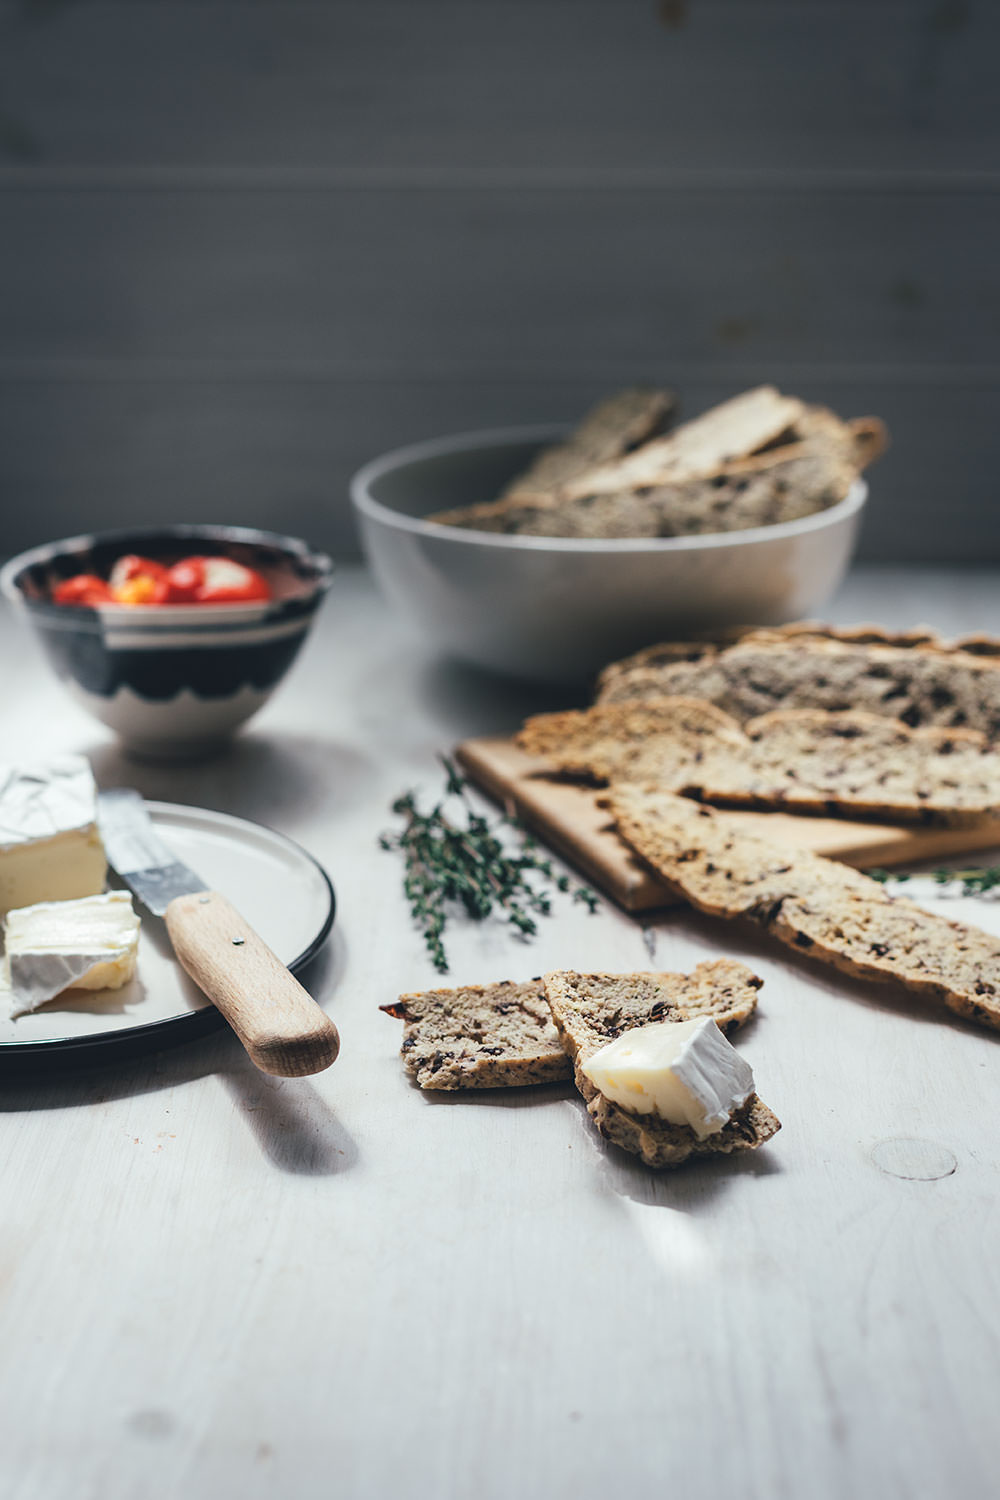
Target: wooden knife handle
[{"x": 279, "y": 1023}]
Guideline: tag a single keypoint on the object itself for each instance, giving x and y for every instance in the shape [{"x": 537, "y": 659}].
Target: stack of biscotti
[
  {"x": 511, "y": 1035},
  {"x": 818, "y": 906},
  {"x": 912, "y": 676},
  {"x": 795, "y": 760},
  {"x": 755, "y": 460}
]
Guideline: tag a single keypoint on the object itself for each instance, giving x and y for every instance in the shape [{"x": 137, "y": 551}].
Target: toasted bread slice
[
  {"x": 732, "y": 430},
  {"x": 591, "y": 1009},
  {"x": 502, "y": 1035},
  {"x": 703, "y": 647},
  {"x": 818, "y": 906},
  {"x": 756, "y": 460},
  {"x": 782, "y": 484},
  {"x": 795, "y": 760},
  {"x": 484, "y": 1036},
  {"x": 611, "y": 429},
  {"x": 924, "y": 684}
]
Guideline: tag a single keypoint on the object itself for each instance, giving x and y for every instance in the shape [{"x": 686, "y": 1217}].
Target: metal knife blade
[{"x": 138, "y": 854}]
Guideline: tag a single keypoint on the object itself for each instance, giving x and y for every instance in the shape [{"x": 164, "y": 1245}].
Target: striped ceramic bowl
[{"x": 174, "y": 680}]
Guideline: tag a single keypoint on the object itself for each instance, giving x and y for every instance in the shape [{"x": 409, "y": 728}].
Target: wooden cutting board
[{"x": 569, "y": 818}]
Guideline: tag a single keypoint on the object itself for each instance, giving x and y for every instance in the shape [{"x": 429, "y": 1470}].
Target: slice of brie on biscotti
[
  {"x": 684, "y": 1072},
  {"x": 53, "y": 946},
  {"x": 656, "y": 1079},
  {"x": 50, "y": 848}
]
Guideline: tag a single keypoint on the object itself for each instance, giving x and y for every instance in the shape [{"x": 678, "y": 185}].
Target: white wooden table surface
[{"x": 214, "y": 1283}]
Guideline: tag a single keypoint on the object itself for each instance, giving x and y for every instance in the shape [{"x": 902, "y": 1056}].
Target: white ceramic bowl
[{"x": 552, "y": 608}]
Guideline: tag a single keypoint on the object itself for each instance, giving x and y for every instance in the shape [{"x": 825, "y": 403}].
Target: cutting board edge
[{"x": 901, "y": 844}]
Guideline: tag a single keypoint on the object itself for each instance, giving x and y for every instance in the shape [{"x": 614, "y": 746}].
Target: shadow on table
[
  {"x": 292, "y": 1123},
  {"x": 472, "y": 701},
  {"x": 532, "y": 1096},
  {"x": 689, "y": 1188},
  {"x": 290, "y": 1120},
  {"x": 282, "y": 780},
  {"x": 740, "y": 940}
]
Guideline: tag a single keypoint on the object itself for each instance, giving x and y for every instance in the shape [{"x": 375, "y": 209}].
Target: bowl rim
[
  {"x": 367, "y": 506},
  {"x": 45, "y": 552}
]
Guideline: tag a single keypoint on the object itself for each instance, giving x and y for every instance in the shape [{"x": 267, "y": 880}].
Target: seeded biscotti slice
[
  {"x": 711, "y": 861},
  {"x": 732, "y": 430},
  {"x": 630, "y": 514},
  {"x": 590, "y": 1010},
  {"x": 874, "y": 937},
  {"x": 922, "y": 685},
  {"x": 784, "y": 488},
  {"x": 612, "y": 429},
  {"x": 753, "y": 461},
  {"x": 645, "y": 740},
  {"x": 796, "y": 760},
  {"x": 859, "y": 441},
  {"x": 702, "y": 648},
  {"x": 855, "y": 763},
  {"x": 818, "y": 906},
  {"x": 480, "y": 1037},
  {"x": 782, "y": 484}
]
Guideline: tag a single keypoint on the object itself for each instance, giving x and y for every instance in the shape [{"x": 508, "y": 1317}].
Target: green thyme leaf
[
  {"x": 974, "y": 882},
  {"x": 458, "y": 860}
]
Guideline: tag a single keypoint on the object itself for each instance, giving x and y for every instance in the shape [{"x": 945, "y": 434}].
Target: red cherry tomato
[
  {"x": 184, "y": 580},
  {"x": 82, "y": 588},
  {"x": 138, "y": 580},
  {"x": 214, "y": 580}
]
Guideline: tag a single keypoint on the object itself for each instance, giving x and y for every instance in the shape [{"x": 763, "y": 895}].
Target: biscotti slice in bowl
[
  {"x": 480, "y": 1036},
  {"x": 591, "y": 1010},
  {"x": 785, "y": 488},
  {"x": 734, "y": 429},
  {"x": 784, "y": 483},
  {"x": 613, "y": 428}
]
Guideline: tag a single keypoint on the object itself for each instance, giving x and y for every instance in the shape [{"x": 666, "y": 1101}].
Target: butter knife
[{"x": 279, "y": 1023}]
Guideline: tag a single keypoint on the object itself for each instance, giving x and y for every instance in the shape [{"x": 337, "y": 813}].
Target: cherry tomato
[
  {"x": 214, "y": 580},
  {"x": 184, "y": 580},
  {"x": 82, "y": 588},
  {"x": 138, "y": 580}
]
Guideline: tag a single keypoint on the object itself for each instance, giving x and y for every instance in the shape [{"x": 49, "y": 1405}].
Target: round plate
[{"x": 280, "y": 889}]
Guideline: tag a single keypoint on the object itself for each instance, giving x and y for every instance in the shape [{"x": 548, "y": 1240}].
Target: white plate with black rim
[{"x": 283, "y": 892}]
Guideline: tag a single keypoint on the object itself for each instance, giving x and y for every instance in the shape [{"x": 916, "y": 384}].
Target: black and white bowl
[{"x": 172, "y": 680}]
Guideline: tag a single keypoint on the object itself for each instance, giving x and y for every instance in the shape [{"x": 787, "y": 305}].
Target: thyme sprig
[
  {"x": 974, "y": 882},
  {"x": 455, "y": 856}
]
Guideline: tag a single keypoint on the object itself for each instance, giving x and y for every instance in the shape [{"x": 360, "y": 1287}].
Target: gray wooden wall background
[{"x": 246, "y": 246}]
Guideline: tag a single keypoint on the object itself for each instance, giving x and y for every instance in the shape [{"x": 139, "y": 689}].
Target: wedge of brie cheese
[
  {"x": 683, "y": 1071},
  {"x": 90, "y": 944},
  {"x": 50, "y": 849}
]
